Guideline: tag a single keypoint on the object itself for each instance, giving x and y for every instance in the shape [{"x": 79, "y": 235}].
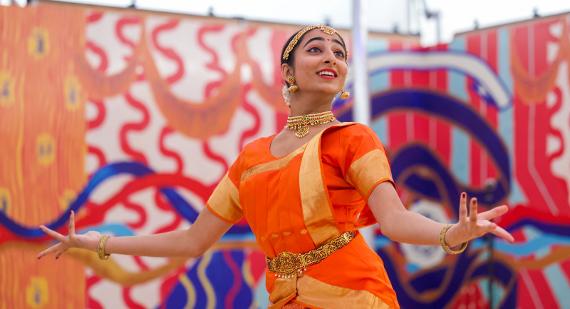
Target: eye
[
  {"x": 339, "y": 53},
  {"x": 314, "y": 50}
]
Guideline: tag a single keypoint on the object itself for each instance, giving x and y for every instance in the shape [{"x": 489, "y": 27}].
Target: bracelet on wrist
[
  {"x": 444, "y": 244},
  {"x": 101, "y": 247}
]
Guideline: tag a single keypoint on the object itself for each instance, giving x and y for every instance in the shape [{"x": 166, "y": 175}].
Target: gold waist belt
[{"x": 288, "y": 264}]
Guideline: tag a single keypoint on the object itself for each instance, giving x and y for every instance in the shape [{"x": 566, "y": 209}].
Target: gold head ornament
[{"x": 326, "y": 29}]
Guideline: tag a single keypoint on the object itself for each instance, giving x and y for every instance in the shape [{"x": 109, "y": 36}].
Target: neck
[{"x": 310, "y": 104}]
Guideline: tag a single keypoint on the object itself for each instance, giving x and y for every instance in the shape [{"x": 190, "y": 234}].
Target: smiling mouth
[{"x": 327, "y": 73}]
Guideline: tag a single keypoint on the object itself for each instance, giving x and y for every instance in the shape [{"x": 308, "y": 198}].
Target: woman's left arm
[{"x": 402, "y": 225}]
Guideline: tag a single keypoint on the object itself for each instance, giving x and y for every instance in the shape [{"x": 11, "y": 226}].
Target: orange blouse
[{"x": 297, "y": 202}]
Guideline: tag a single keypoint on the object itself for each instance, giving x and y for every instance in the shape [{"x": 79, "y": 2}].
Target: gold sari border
[
  {"x": 224, "y": 201},
  {"x": 323, "y": 295},
  {"x": 369, "y": 171},
  {"x": 272, "y": 165},
  {"x": 316, "y": 205},
  {"x": 313, "y": 293}
]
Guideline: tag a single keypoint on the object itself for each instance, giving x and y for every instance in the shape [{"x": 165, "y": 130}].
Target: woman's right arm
[{"x": 191, "y": 242}]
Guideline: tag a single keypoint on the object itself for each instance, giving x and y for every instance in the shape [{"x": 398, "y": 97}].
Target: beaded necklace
[{"x": 300, "y": 124}]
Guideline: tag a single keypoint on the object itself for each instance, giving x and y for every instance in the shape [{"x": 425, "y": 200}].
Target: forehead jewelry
[{"x": 326, "y": 29}]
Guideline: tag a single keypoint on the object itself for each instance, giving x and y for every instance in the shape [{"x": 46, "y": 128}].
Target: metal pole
[
  {"x": 438, "y": 26},
  {"x": 408, "y": 16},
  {"x": 360, "y": 82},
  {"x": 359, "y": 63}
]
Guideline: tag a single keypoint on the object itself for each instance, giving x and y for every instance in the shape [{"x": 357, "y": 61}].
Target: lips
[{"x": 327, "y": 73}]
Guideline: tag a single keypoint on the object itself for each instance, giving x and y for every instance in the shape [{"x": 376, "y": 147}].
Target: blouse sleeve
[
  {"x": 365, "y": 163},
  {"x": 224, "y": 201}
]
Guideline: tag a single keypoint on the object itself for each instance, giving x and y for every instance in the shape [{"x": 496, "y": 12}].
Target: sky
[{"x": 381, "y": 15}]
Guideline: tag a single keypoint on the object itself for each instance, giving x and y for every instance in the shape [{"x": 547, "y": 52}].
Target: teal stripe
[
  {"x": 558, "y": 284},
  {"x": 377, "y": 45},
  {"x": 457, "y": 80},
  {"x": 506, "y": 120},
  {"x": 380, "y": 127},
  {"x": 460, "y": 140},
  {"x": 460, "y": 156},
  {"x": 537, "y": 243},
  {"x": 498, "y": 292},
  {"x": 116, "y": 229},
  {"x": 261, "y": 297},
  {"x": 378, "y": 82}
]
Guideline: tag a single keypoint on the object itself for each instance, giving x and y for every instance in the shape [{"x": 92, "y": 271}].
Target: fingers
[
  {"x": 502, "y": 233},
  {"x": 473, "y": 210},
  {"x": 486, "y": 227},
  {"x": 52, "y": 233},
  {"x": 50, "y": 250},
  {"x": 57, "y": 255},
  {"x": 463, "y": 207},
  {"x": 72, "y": 224},
  {"x": 494, "y": 213},
  {"x": 493, "y": 228},
  {"x": 480, "y": 224},
  {"x": 64, "y": 241}
]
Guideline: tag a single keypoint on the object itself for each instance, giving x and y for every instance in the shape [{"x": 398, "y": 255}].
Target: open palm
[
  {"x": 86, "y": 241},
  {"x": 473, "y": 225}
]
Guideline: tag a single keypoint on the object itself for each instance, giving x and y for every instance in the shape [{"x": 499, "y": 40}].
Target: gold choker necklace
[{"x": 300, "y": 124}]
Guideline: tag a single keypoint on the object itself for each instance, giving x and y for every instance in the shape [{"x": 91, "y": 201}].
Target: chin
[{"x": 331, "y": 91}]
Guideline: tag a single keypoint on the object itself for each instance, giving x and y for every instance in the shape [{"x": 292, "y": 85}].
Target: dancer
[{"x": 305, "y": 192}]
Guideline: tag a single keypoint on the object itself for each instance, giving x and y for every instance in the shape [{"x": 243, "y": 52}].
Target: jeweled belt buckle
[{"x": 287, "y": 265}]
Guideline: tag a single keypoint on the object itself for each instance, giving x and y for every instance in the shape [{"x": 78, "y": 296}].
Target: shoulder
[
  {"x": 254, "y": 152},
  {"x": 348, "y": 142},
  {"x": 256, "y": 146},
  {"x": 355, "y": 128},
  {"x": 349, "y": 132}
]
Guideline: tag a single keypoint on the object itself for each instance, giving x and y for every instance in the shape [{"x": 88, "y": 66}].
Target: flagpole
[{"x": 361, "y": 97}]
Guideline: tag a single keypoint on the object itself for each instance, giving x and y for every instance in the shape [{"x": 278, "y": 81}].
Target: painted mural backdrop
[
  {"x": 489, "y": 114},
  {"x": 131, "y": 119}
]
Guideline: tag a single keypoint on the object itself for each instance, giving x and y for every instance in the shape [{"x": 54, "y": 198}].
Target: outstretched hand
[
  {"x": 473, "y": 225},
  {"x": 88, "y": 240}
]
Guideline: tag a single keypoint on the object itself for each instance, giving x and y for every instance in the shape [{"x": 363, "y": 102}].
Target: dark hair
[{"x": 291, "y": 57}]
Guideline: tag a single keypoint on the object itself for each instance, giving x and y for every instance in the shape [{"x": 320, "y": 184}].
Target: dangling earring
[
  {"x": 344, "y": 94},
  {"x": 293, "y": 88},
  {"x": 286, "y": 95}
]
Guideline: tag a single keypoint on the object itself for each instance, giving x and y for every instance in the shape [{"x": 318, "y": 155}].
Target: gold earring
[
  {"x": 344, "y": 94},
  {"x": 293, "y": 88}
]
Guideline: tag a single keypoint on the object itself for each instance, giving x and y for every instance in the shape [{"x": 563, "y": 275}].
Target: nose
[{"x": 329, "y": 57}]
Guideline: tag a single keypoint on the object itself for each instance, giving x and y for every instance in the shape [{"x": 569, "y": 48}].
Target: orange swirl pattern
[
  {"x": 98, "y": 85},
  {"x": 204, "y": 119}
]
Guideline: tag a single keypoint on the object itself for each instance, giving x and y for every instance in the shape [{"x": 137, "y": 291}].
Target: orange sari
[{"x": 297, "y": 202}]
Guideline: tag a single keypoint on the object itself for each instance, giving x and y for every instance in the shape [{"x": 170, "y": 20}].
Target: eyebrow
[{"x": 318, "y": 38}]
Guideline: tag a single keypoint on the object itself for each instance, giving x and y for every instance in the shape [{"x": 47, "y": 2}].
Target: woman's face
[{"x": 320, "y": 63}]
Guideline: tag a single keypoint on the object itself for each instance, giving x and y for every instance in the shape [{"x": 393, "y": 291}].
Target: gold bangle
[
  {"x": 101, "y": 247},
  {"x": 445, "y": 246}
]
